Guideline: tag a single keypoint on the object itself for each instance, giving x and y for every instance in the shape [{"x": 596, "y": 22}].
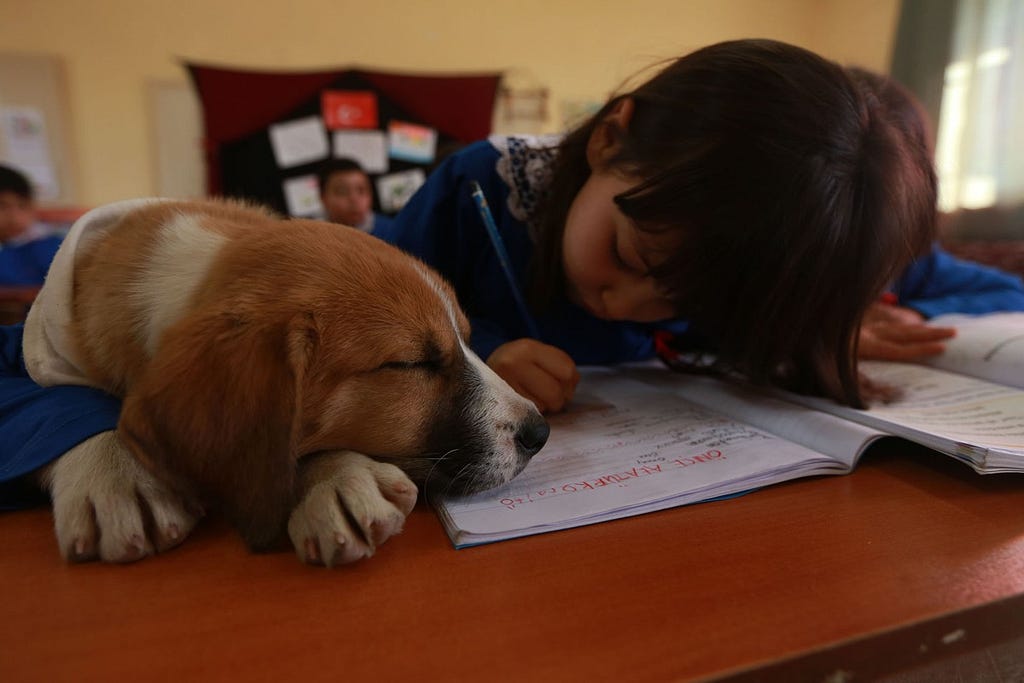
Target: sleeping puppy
[{"x": 292, "y": 372}]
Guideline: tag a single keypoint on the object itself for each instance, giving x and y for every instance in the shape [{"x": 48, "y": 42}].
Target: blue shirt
[
  {"x": 39, "y": 424},
  {"x": 24, "y": 264},
  {"x": 941, "y": 283}
]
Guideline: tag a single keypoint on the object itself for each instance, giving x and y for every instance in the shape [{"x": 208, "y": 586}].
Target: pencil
[{"x": 506, "y": 265}]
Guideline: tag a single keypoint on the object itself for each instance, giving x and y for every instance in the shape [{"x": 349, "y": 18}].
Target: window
[
  {"x": 980, "y": 143},
  {"x": 965, "y": 60}
]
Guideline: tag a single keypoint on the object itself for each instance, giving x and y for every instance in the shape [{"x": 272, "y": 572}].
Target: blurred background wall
[{"x": 129, "y": 125}]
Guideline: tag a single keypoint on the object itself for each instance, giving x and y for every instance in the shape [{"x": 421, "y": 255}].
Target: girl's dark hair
[
  {"x": 792, "y": 195},
  {"x": 902, "y": 106}
]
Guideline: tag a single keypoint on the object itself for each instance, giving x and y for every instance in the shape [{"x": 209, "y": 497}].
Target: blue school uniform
[
  {"x": 39, "y": 424},
  {"x": 23, "y": 263},
  {"x": 941, "y": 283},
  {"x": 381, "y": 221}
]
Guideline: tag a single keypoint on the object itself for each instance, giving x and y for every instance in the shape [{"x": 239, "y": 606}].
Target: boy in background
[
  {"x": 347, "y": 195},
  {"x": 26, "y": 245}
]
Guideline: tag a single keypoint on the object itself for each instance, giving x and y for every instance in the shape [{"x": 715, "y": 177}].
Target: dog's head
[
  {"x": 390, "y": 375},
  {"x": 319, "y": 338}
]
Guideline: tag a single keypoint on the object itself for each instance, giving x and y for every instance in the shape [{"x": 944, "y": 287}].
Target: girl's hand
[
  {"x": 895, "y": 333},
  {"x": 542, "y": 373}
]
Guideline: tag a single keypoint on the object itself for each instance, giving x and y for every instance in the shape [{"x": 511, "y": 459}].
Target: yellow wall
[{"x": 579, "y": 49}]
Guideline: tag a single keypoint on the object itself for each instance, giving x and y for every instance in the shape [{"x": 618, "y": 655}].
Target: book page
[
  {"x": 623, "y": 448},
  {"x": 820, "y": 431},
  {"x": 975, "y": 420},
  {"x": 989, "y": 347}
]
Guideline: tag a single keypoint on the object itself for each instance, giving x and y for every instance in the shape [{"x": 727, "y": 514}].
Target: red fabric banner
[{"x": 238, "y": 102}]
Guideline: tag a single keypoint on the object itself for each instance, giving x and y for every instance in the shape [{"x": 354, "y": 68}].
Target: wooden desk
[{"x": 911, "y": 557}]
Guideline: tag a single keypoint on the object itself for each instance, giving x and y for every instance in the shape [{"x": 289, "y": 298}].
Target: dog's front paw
[
  {"x": 108, "y": 506},
  {"x": 348, "y": 505}
]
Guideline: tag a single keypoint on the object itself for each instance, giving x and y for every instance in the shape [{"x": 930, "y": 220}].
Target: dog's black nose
[{"x": 532, "y": 435}]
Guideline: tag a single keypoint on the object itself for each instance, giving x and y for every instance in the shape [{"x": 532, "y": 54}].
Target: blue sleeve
[
  {"x": 442, "y": 226},
  {"x": 39, "y": 424},
  {"x": 941, "y": 283},
  {"x": 381, "y": 223},
  {"x": 25, "y": 265}
]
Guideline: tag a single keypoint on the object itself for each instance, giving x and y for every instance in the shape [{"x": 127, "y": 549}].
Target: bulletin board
[
  {"x": 249, "y": 116},
  {"x": 35, "y": 129}
]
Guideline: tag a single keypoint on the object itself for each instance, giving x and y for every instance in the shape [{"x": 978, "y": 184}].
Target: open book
[
  {"x": 987, "y": 347},
  {"x": 642, "y": 438}
]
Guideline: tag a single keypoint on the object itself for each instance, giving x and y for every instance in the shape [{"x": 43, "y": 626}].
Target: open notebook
[{"x": 641, "y": 438}]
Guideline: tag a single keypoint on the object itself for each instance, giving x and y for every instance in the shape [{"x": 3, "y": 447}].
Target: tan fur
[{"x": 278, "y": 352}]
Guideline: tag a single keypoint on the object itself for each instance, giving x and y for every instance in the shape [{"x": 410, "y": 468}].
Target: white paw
[
  {"x": 349, "y": 504},
  {"x": 108, "y": 506}
]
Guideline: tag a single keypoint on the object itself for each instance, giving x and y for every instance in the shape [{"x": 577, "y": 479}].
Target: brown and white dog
[{"x": 293, "y": 372}]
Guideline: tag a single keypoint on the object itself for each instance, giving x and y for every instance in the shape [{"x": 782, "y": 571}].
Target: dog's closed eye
[
  {"x": 428, "y": 357},
  {"x": 429, "y": 365}
]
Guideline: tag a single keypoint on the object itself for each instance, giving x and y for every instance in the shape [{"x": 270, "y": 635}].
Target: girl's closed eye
[
  {"x": 618, "y": 258},
  {"x": 626, "y": 254}
]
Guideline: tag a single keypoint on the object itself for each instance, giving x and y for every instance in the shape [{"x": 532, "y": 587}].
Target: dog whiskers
[
  {"x": 436, "y": 462},
  {"x": 431, "y": 492},
  {"x": 459, "y": 478}
]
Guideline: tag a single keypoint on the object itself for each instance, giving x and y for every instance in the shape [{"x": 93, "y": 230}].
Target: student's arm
[
  {"x": 39, "y": 424},
  {"x": 25, "y": 265},
  {"x": 941, "y": 283},
  {"x": 893, "y": 332},
  {"x": 935, "y": 284}
]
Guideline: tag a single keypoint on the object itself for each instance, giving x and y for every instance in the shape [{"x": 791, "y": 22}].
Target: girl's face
[{"x": 607, "y": 259}]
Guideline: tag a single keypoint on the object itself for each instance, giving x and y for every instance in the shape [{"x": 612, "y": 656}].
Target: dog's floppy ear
[{"x": 219, "y": 405}]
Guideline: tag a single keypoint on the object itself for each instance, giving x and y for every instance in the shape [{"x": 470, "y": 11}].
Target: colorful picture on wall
[
  {"x": 410, "y": 142},
  {"x": 302, "y": 196},
  {"x": 395, "y": 189}
]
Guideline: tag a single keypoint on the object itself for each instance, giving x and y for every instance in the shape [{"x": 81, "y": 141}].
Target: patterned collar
[{"x": 525, "y": 165}]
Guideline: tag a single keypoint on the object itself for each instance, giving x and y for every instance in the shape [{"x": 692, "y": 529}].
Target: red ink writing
[
  {"x": 706, "y": 456},
  {"x": 620, "y": 478}
]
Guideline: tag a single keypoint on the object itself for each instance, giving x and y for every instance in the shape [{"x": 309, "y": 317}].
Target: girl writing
[{"x": 750, "y": 195}]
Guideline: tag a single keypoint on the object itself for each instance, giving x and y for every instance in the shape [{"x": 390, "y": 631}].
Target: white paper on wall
[
  {"x": 368, "y": 147},
  {"x": 27, "y": 148},
  {"x": 395, "y": 189},
  {"x": 302, "y": 196},
  {"x": 299, "y": 142}
]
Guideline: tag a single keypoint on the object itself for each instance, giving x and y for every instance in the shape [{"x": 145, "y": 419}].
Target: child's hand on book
[
  {"x": 891, "y": 332},
  {"x": 542, "y": 373}
]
